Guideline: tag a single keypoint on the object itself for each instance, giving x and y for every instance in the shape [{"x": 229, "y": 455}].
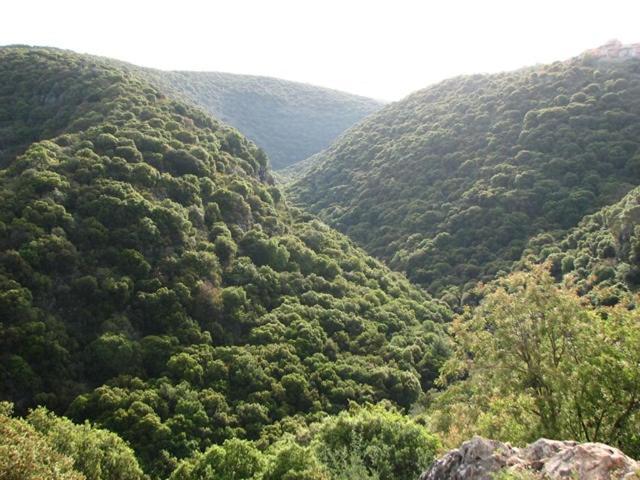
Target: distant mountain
[
  {"x": 153, "y": 279},
  {"x": 289, "y": 120},
  {"x": 452, "y": 182}
]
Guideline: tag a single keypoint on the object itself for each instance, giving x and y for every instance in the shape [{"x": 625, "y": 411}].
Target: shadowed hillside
[
  {"x": 450, "y": 183},
  {"x": 289, "y": 120}
]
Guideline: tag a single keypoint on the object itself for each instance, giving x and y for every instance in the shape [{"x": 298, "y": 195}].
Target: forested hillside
[
  {"x": 289, "y": 120},
  {"x": 153, "y": 280},
  {"x": 166, "y": 313},
  {"x": 452, "y": 182},
  {"x": 600, "y": 257}
]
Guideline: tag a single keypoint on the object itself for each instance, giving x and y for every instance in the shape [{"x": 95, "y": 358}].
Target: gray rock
[{"x": 481, "y": 459}]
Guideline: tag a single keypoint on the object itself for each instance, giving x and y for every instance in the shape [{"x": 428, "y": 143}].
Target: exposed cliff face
[{"x": 482, "y": 459}]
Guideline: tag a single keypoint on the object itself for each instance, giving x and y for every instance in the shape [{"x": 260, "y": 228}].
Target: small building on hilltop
[{"x": 614, "y": 49}]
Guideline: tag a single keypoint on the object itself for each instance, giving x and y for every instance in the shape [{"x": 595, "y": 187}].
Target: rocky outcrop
[{"x": 482, "y": 459}]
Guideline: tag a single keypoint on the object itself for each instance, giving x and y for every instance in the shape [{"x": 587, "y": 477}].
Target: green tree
[
  {"x": 289, "y": 461},
  {"x": 377, "y": 440},
  {"x": 26, "y": 454},
  {"x": 233, "y": 460},
  {"x": 538, "y": 362},
  {"x": 97, "y": 453}
]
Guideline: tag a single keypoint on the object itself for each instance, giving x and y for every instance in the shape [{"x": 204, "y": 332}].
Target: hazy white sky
[{"x": 382, "y": 49}]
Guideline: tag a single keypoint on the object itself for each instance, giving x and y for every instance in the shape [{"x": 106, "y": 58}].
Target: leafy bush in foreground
[{"x": 533, "y": 361}]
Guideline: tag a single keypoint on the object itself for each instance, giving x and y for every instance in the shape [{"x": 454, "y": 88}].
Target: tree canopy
[
  {"x": 600, "y": 257},
  {"x": 452, "y": 182},
  {"x": 166, "y": 313},
  {"x": 154, "y": 281},
  {"x": 289, "y": 120}
]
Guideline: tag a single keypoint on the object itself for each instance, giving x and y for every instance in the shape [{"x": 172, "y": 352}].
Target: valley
[{"x": 220, "y": 276}]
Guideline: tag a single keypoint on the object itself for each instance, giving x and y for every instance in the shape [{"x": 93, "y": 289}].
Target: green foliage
[
  {"x": 374, "y": 442},
  {"x": 25, "y": 454},
  {"x": 451, "y": 183},
  {"x": 533, "y": 361},
  {"x": 368, "y": 442},
  {"x": 290, "y": 121},
  {"x": 167, "y": 292},
  {"x": 98, "y": 454},
  {"x": 600, "y": 257},
  {"x": 291, "y": 461},
  {"x": 154, "y": 281},
  {"x": 241, "y": 460},
  {"x": 234, "y": 460},
  {"x": 46, "y": 446},
  {"x": 517, "y": 475}
]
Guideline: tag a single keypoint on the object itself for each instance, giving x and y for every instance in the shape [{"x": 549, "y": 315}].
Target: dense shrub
[{"x": 532, "y": 360}]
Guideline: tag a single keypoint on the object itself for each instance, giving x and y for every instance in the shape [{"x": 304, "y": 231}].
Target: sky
[{"x": 380, "y": 49}]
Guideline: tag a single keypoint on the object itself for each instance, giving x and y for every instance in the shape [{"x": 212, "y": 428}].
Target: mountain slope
[
  {"x": 153, "y": 279},
  {"x": 450, "y": 183},
  {"x": 289, "y": 120},
  {"x": 600, "y": 257}
]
